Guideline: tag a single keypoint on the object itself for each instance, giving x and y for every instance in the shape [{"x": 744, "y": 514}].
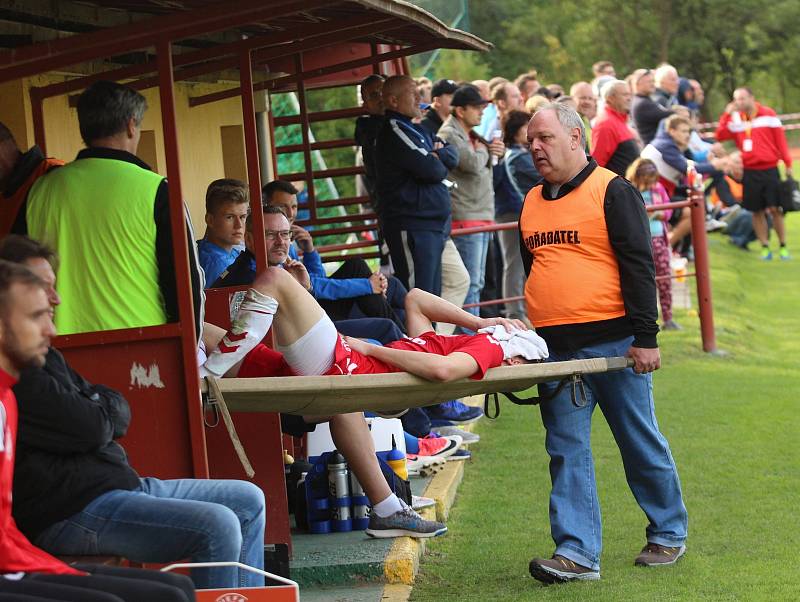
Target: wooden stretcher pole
[{"x": 180, "y": 251}]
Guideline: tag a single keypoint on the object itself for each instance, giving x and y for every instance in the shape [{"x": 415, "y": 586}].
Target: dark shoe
[
  {"x": 560, "y": 570},
  {"x": 455, "y": 411},
  {"x": 656, "y": 555}
]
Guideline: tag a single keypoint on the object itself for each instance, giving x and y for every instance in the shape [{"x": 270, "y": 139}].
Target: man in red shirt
[
  {"x": 26, "y": 326},
  {"x": 614, "y": 144},
  {"x": 309, "y": 344},
  {"x": 759, "y": 134}
]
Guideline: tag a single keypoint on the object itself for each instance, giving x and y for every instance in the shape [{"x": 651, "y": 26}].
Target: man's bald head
[
  {"x": 483, "y": 87},
  {"x": 400, "y": 94}
]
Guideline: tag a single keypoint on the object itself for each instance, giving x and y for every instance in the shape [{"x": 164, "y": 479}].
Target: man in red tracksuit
[
  {"x": 614, "y": 144},
  {"x": 758, "y": 133}
]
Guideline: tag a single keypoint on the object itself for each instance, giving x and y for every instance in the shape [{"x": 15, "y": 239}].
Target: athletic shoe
[
  {"x": 560, "y": 570},
  {"x": 404, "y": 522},
  {"x": 456, "y": 412},
  {"x": 654, "y": 554},
  {"x": 466, "y": 436},
  {"x": 424, "y": 466},
  {"x": 766, "y": 254},
  {"x": 671, "y": 325},
  {"x": 729, "y": 213},
  {"x": 715, "y": 225},
  {"x": 419, "y": 502},
  {"x": 437, "y": 423},
  {"x": 461, "y": 454},
  {"x": 784, "y": 254},
  {"x": 439, "y": 447}
]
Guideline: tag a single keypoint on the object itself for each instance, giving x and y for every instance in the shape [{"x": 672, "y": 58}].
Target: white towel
[{"x": 516, "y": 342}]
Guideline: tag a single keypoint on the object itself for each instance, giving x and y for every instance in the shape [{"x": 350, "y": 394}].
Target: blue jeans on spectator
[
  {"x": 626, "y": 400},
  {"x": 473, "y": 248},
  {"x": 165, "y": 521},
  {"x": 740, "y": 228}
]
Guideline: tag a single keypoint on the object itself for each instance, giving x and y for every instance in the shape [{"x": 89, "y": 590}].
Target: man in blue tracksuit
[{"x": 415, "y": 202}]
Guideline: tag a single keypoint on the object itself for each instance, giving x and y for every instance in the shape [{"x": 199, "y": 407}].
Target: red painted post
[
  {"x": 37, "y": 114},
  {"x": 251, "y": 151},
  {"x": 306, "y": 135},
  {"x": 702, "y": 271},
  {"x": 179, "y": 249}
]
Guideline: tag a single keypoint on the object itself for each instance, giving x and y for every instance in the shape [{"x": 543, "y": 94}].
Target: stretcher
[{"x": 326, "y": 395}]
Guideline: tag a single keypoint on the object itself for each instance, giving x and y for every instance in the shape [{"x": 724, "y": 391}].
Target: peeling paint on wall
[{"x": 142, "y": 377}]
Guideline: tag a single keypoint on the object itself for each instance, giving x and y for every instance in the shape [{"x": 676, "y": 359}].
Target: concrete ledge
[{"x": 396, "y": 593}]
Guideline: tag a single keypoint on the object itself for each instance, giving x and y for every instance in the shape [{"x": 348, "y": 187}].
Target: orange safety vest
[
  {"x": 575, "y": 276},
  {"x": 10, "y": 206}
]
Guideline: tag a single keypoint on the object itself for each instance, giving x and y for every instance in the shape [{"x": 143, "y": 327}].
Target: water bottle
[
  {"x": 496, "y": 135},
  {"x": 397, "y": 461},
  {"x": 360, "y": 504},
  {"x": 339, "y": 490}
]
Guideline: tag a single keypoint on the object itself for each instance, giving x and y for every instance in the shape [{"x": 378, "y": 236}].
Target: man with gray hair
[
  {"x": 590, "y": 292},
  {"x": 614, "y": 144},
  {"x": 107, "y": 216},
  {"x": 667, "y": 83}
]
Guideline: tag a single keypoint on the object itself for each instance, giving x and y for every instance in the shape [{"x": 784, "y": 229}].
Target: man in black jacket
[
  {"x": 415, "y": 201},
  {"x": 646, "y": 112},
  {"x": 76, "y": 494}
]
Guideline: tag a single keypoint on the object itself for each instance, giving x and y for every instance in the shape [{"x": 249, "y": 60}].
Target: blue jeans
[
  {"x": 473, "y": 248},
  {"x": 166, "y": 521},
  {"x": 626, "y": 400}
]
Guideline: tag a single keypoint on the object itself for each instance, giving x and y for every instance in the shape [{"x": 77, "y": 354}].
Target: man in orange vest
[
  {"x": 18, "y": 172},
  {"x": 591, "y": 292}
]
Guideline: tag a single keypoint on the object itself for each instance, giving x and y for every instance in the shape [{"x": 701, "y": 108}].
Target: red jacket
[
  {"x": 17, "y": 554},
  {"x": 764, "y": 129},
  {"x": 614, "y": 144}
]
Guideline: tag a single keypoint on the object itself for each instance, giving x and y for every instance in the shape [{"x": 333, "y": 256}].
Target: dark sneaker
[
  {"x": 455, "y": 411},
  {"x": 655, "y": 555},
  {"x": 560, "y": 570},
  {"x": 405, "y": 522}
]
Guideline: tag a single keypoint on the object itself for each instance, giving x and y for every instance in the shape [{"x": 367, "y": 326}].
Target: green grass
[{"x": 734, "y": 427}]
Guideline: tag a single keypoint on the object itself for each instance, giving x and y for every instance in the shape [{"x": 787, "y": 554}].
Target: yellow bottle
[{"x": 397, "y": 460}]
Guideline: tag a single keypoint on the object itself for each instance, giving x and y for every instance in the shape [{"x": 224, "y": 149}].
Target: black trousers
[
  {"x": 103, "y": 584},
  {"x": 372, "y": 306}
]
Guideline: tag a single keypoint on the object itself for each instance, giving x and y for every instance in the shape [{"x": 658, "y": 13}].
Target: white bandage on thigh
[
  {"x": 247, "y": 330},
  {"x": 312, "y": 354}
]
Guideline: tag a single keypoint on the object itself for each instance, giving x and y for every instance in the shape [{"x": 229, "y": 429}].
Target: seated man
[
  {"x": 26, "y": 572},
  {"x": 76, "y": 494},
  {"x": 352, "y": 291},
  {"x": 227, "y": 206}
]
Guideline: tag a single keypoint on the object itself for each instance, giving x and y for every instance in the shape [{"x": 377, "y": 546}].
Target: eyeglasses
[{"x": 274, "y": 234}]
